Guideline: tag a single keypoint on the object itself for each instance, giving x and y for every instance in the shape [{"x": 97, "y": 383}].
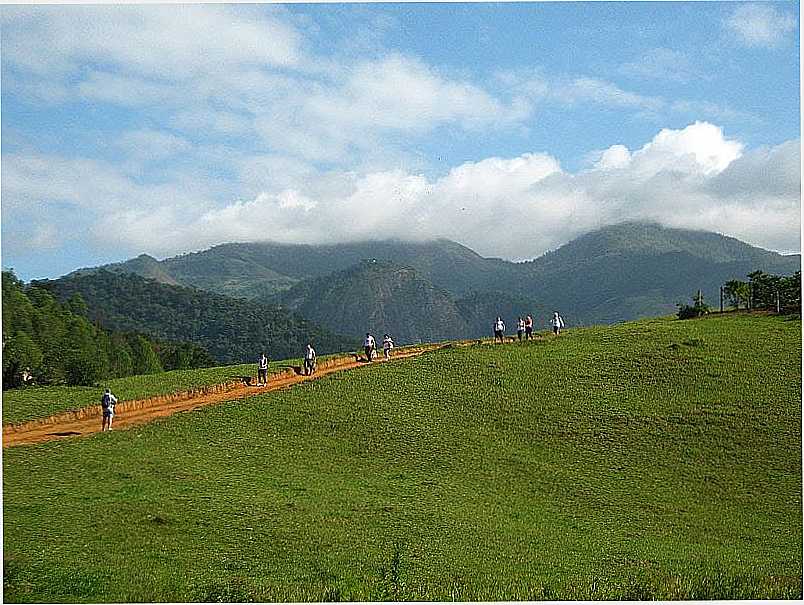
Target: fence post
[
  {"x": 721, "y": 299},
  {"x": 750, "y": 294}
]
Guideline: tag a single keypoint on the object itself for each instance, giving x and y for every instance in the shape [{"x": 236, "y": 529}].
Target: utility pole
[
  {"x": 721, "y": 299},
  {"x": 778, "y": 305}
]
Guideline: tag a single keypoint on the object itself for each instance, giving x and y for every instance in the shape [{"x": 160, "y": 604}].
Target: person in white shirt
[
  {"x": 369, "y": 346},
  {"x": 387, "y": 345},
  {"x": 309, "y": 360},
  {"x": 557, "y": 322},
  {"x": 520, "y": 328},
  {"x": 262, "y": 370},
  {"x": 108, "y": 401},
  {"x": 499, "y": 329}
]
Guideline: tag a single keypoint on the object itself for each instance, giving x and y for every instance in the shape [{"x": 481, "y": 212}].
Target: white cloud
[
  {"x": 174, "y": 41},
  {"x": 239, "y": 72},
  {"x": 662, "y": 64},
  {"x": 585, "y": 89},
  {"x": 152, "y": 145},
  {"x": 511, "y": 207},
  {"x": 760, "y": 25},
  {"x": 532, "y": 87},
  {"x": 699, "y": 147}
]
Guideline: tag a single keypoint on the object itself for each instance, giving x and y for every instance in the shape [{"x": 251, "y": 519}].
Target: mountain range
[{"x": 442, "y": 289}]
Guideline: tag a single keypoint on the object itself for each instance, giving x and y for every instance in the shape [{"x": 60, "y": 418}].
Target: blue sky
[{"x": 509, "y": 127}]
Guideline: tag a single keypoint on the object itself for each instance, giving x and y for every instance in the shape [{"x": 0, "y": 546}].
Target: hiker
[
  {"x": 557, "y": 322},
  {"x": 499, "y": 329},
  {"x": 262, "y": 370},
  {"x": 309, "y": 360},
  {"x": 387, "y": 345},
  {"x": 520, "y": 328},
  {"x": 108, "y": 401},
  {"x": 369, "y": 346},
  {"x": 528, "y": 327}
]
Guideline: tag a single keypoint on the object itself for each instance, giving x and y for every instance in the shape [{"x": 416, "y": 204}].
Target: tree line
[
  {"x": 765, "y": 291},
  {"x": 762, "y": 291},
  {"x": 49, "y": 342}
]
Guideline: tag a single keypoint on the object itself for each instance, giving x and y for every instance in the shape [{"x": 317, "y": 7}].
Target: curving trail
[{"x": 87, "y": 421}]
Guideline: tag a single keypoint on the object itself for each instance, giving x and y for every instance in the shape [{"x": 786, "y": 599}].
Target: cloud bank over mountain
[{"x": 511, "y": 207}]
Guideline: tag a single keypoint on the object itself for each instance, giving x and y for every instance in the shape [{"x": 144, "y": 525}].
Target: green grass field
[
  {"x": 39, "y": 402},
  {"x": 657, "y": 459}
]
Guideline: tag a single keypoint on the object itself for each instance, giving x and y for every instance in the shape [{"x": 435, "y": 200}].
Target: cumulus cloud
[
  {"x": 760, "y": 25},
  {"x": 516, "y": 208}
]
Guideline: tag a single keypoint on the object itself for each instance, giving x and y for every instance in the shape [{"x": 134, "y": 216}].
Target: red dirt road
[{"x": 87, "y": 421}]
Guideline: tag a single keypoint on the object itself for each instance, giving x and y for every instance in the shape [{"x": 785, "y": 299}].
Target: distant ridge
[{"x": 616, "y": 273}]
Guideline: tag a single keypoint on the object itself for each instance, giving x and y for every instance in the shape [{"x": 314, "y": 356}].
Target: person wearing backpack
[
  {"x": 309, "y": 360},
  {"x": 557, "y": 322},
  {"x": 108, "y": 401},
  {"x": 262, "y": 370},
  {"x": 499, "y": 329}
]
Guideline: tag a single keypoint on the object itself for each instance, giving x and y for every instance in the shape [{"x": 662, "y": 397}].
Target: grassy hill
[{"x": 658, "y": 459}]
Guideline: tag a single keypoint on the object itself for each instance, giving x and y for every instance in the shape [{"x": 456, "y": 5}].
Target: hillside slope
[
  {"x": 654, "y": 460},
  {"x": 379, "y": 297},
  {"x": 232, "y": 330},
  {"x": 636, "y": 270}
]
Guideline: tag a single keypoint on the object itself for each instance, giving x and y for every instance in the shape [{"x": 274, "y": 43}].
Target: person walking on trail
[
  {"x": 369, "y": 346},
  {"x": 499, "y": 329},
  {"x": 520, "y": 328},
  {"x": 557, "y": 322},
  {"x": 387, "y": 345},
  {"x": 262, "y": 370},
  {"x": 108, "y": 401},
  {"x": 309, "y": 360},
  {"x": 528, "y": 327}
]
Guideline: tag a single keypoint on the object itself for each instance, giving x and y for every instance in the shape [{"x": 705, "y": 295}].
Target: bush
[{"x": 698, "y": 308}]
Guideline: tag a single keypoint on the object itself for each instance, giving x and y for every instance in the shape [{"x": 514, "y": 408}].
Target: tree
[
  {"x": 763, "y": 289},
  {"x": 20, "y": 354},
  {"x": 144, "y": 358},
  {"x": 737, "y": 292},
  {"x": 790, "y": 292},
  {"x": 82, "y": 367}
]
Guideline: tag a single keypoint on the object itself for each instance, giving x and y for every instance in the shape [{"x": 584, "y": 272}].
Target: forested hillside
[
  {"x": 380, "y": 297},
  {"x": 232, "y": 330},
  {"x": 48, "y": 342}
]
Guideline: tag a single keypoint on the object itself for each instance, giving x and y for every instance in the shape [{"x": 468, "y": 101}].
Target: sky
[{"x": 511, "y": 128}]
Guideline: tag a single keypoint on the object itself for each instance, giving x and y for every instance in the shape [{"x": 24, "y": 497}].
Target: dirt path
[{"x": 130, "y": 413}]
